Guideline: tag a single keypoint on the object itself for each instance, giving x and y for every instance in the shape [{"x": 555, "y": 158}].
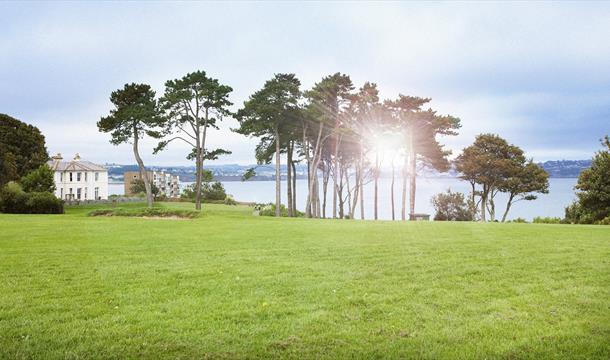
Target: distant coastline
[{"x": 234, "y": 172}]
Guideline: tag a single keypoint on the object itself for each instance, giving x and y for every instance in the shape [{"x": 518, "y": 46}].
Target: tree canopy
[
  {"x": 135, "y": 114},
  {"x": 22, "y": 149},
  {"x": 593, "y": 203}
]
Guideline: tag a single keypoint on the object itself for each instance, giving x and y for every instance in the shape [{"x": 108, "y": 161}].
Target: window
[
  {"x": 70, "y": 180},
  {"x": 78, "y": 193},
  {"x": 61, "y": 176},
  {"x": 77, "y": 176},
  {"x": 97, "y": 177},
  {"x": 85, "y": 188},
  {"x": 97, "y": 193},
  {"x": 85, "y": 178},
  {"x": 61, "y": 193}
]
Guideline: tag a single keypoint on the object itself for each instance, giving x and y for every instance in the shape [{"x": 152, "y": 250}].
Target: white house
[{"x": 79, "y": 179}]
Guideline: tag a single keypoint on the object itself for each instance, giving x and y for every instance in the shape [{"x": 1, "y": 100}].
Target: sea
[{"x": 561, "y": 194}]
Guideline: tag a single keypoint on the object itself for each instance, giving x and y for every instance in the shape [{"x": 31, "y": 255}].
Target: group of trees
[
  {"x": 189, "y": 107},
  {"x": 335, "y": 130},
  {"x": 331, "y": 127},
  {"x": 26, "y": 182}
]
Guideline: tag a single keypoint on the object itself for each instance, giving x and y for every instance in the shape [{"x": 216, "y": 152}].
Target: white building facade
[{"x": 79, "y": 180}]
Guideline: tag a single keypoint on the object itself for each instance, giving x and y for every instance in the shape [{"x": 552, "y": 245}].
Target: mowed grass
[{"x": 231, "y": 285}]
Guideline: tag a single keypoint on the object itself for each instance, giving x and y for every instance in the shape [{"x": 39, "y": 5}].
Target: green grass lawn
[{"x": 231, "y": 285}]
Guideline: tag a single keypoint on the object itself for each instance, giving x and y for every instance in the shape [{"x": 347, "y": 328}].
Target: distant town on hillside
[{"x": 234, "y": 172}]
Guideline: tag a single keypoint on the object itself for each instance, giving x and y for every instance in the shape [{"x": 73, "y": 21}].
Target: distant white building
[{"x": 79, "y": 179}]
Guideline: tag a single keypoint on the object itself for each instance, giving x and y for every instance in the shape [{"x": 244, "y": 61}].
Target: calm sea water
[{"x": 552, "y": 204}]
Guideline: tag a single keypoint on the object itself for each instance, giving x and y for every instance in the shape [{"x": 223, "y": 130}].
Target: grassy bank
[{"x": 230, "y": 285}]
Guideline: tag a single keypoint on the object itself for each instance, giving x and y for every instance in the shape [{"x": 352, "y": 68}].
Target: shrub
[
  {"x": 547, "y": 220},
  {"x": 604, "y": 221},
  {"x": 44, "y": 203},
  {"x": 213, "y": 191},
  {"x": 16, "y": 201},
  {"x": 146, "y": 212},
  {"x": 452, "y": 206},
  {"x": 229, "y": 200},
  {"x": 13, "y": 199},
  {"x": 39, "y": 180},
  {"x": 519, "y": 220},
  {"x": 269, "y": 210}
]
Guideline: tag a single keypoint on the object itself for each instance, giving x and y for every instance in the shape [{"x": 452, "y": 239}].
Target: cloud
[{"x": 536, "y": 73}]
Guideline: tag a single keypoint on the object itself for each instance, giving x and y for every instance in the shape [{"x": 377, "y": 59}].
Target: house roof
[{"x": 73, "y": 165}]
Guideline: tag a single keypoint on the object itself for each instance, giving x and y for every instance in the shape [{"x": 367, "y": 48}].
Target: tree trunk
[
  {"x": 198, "y": 178},
  {"x": 278, "y": 190},
  {"x": 412, "y": 184},
  {"x": 340, "y": 193},
  {"x": 508, "y": 205},
  {"x": 392, "y": 191},
  {"x": 355, "y": 194},
  {"x": 325, "y": 177},
  {"x": 376, "y": 190},
  {"x": 289, "y": 179},
  {"x": 294, "y": 188},
  {"x": 336, "y": 173},
  {"x": 405, "y": 176},
  {"x": 483, "y": 203},
  {"x": 143, "y": 172},
  {"x": 361, "y": 184}
]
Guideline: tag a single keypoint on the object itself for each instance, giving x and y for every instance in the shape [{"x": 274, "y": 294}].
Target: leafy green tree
[
  {"x": 193, "y": 104},
  {"x": 453, "y": 206},
  {"x": 39, "y": 180},
  {"x": 214, "y": 191},
  {"x": 491, "y": 162},
  {"x": 593, "y": 204},
  {"x": 267, "y": 114},
  {"x": 139, "y": 187},
  {"x": 135, "y": 114},
  {"x": 522, "y": 184},
  {"x": 22, "y": 149}
]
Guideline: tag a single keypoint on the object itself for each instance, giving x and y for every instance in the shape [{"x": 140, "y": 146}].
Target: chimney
[
  {"x": 56, "y": 157},
  {"x": 76, "y": 157}
]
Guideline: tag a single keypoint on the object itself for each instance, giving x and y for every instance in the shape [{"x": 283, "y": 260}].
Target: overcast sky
[{"x": 537, "y": 74}]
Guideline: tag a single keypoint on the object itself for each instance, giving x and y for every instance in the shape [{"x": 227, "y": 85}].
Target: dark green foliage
[
  {"x": 229, "y": 200},
  {"x": 269, "y": 210},
  {"x": 39, "y": 180},
  {"x": 137, "y": 187},
  {"x": 453, "y": 206},
  {"x": 14, "y": 200},
  {"x": 250, "y": 173},
  {"x": 497, "y": 166},
  {"x": 547, "y": 220},
  {"x": 210, "y": 190},
  {"x": 146, "y": 212},
  {"x": 136, "y": 113},
  {"x": 213, "y": 191},
  {"x": 593, "y": 204},
  {"x": 44, "y": 203},
  {"x": 22, "y": 149}
]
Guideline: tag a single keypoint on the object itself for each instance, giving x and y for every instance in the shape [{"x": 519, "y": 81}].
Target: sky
[{"x": 537, "y": 74}]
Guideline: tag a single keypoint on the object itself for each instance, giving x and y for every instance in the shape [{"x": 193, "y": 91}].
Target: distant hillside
[
  {"x": 234, "y": 172},
  {"x": 565, "y": 168}
]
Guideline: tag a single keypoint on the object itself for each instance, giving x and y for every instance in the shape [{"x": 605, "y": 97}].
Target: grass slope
[{"x": 230, "y": 285}]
